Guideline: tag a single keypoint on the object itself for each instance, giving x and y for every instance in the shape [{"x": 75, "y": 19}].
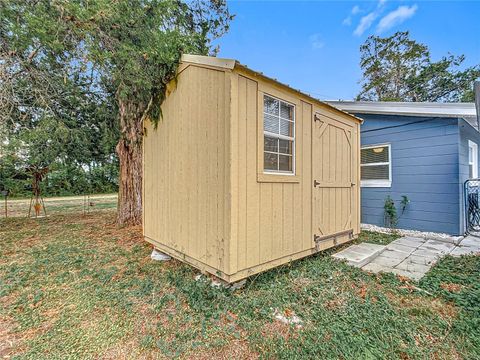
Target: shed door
[{"x": 334, "y": 178}]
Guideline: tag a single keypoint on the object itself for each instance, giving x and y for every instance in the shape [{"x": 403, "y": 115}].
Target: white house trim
[
  {"x": 379, "y": 183},
  {"x": 473, "y": 159},
  {"x": 407, "y": 108}
]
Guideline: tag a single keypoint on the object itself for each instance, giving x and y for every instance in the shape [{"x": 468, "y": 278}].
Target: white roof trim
[
  {"x": 209, "y": 60},
  {"x": 407, "y": 108}
]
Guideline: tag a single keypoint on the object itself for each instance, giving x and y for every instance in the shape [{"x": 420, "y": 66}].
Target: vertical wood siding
[
  {"x": 206, "y": 198},
  {"x": 185, "y": 169},
  {"x": 272, "y": 220}
]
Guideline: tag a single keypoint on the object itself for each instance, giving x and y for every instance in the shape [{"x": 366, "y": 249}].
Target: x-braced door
[{"x": 334, "y": 173}]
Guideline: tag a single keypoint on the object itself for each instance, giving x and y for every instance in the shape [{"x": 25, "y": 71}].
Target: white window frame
[
  {"x": 474, "y": 161},
  {"x": 279, "y": 136},
  {"x": 378, "y": 183}
]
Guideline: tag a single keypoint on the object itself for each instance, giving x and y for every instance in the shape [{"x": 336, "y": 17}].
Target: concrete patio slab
[
  {"x": 411, "y": 275},
  {"x": 359, "y": 255},
  {"x": 386, "y": 261},
  {"x": 375, "y": 268},
  {"x": 422, "y": 260},
  {"x": 401, "y": 248},
  {"x": 449, "y": 239},
  {"x": 471, "y": 241},
  {"x": 395, "y": 254},
  {"x": 437, "y": 246},
  {"x": 464, "y": 250},
  {"x": 411, "y": 266},
  {"x": 428, "y": 253},
  {"x": 408, "y": 256},
  {"x": 410, "y": 241}
]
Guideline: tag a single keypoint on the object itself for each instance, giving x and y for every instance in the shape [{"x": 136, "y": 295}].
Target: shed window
[
  {"x": 472, "y": 160},
  {"x": 376, "y": 166},
  {"x": 278, "y": 136}
]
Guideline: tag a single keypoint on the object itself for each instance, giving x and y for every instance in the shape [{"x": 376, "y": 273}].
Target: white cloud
[
  {"x": 365, "y": 23},
  {"x": 316, "y": 41},
  {"x": 348, "y": 20},
  {"x": 396, "y": 17}
]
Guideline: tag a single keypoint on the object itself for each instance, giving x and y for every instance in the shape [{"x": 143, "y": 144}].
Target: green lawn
[
  {"x": 78, "y": 287},
  {"x": 61, "y": 205}
]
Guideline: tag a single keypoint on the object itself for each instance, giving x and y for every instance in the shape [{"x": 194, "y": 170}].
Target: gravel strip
[{"x": 413, "y": 233}]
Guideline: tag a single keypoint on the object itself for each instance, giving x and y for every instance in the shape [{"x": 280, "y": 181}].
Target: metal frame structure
[{"x": 471, "y": 195}]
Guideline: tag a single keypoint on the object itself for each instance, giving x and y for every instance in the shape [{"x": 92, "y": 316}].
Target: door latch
[{"x": 315, "y": 183}]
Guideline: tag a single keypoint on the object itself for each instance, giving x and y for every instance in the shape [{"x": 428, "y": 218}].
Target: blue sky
[{"x": 314, "y": 45}]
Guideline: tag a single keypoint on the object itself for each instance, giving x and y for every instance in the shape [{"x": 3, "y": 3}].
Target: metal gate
[{"x": 472, "y": 205}]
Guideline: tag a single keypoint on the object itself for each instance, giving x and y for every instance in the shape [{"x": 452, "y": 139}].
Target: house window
[
  {"x": 472, "y": 160},
  {"x": 376, "y": 166},
  {"x": 278, "y": 136}
]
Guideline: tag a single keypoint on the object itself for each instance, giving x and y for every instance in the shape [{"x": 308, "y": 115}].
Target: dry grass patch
[{"x": 79, "y": 287}]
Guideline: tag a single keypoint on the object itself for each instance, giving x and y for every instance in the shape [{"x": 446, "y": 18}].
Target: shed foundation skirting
[{"x": 324, "y": 245}]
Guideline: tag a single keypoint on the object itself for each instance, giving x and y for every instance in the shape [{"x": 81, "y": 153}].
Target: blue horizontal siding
[
  {"x": 427, "y": 150},
  {"x": 418, "y": 206},
  {"x": 422, "y": 196},
  {"x": 442, "y": 213},
  {"x": 428, "y": 141},
  {"x": 428, "y": 160},
  {"x": 425, "y": 168},
  {"x": 466, "y": 133},
  {"x": 433, "y": 169}
]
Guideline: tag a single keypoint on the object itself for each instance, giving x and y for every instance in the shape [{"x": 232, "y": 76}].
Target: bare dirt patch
[{"x": 10, "y": 341}]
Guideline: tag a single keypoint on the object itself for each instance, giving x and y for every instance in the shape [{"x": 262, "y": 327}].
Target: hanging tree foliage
[
  {"x": 131, "y": 48},
  {"x": 397, "y": 68},
  {"x": 51, "y": 115}
]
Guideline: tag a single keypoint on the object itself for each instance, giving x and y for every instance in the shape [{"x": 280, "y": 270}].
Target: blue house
[{"x": 425, "y": 151}]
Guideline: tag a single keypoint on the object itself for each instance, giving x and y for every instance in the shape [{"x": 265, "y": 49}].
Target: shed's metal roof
[{"x": 230, "y": 64}]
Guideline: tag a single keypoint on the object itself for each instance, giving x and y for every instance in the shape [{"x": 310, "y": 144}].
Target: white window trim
[
  {"x": 279, "y": 136},
  {"x": 378, "y": 183},
  {"x": 474, "y": 162}
]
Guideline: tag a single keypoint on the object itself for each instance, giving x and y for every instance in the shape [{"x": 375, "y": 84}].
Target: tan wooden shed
[{"x": 244, "y": 173}]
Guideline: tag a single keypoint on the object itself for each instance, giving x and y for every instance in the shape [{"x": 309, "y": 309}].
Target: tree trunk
[{"x": 129, "y": 150}]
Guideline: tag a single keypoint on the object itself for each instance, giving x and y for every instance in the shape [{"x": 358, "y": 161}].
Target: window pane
[
  {"x": 270, "y": 144},
  {"x": 286, "y": 128},
  {"x": 270, "y": 161},
  {"x": 285, "y": 163},
  {"x": 286, "y": 111},
  {"x": 270, "y": 105},
  {"x": 285, "y": 146},
  {"x": 376, "y": 172},
  {"x": 270, "y": 123},
  {"x": 278, "y": 119},
  {"x": 374, "y": 155}
]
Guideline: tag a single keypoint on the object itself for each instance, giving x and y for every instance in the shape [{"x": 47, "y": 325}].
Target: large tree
[
  {"x": 397, "y": 68},
  {"x": 129, "y": 48},
  {"x": 51, "y": 114}
]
